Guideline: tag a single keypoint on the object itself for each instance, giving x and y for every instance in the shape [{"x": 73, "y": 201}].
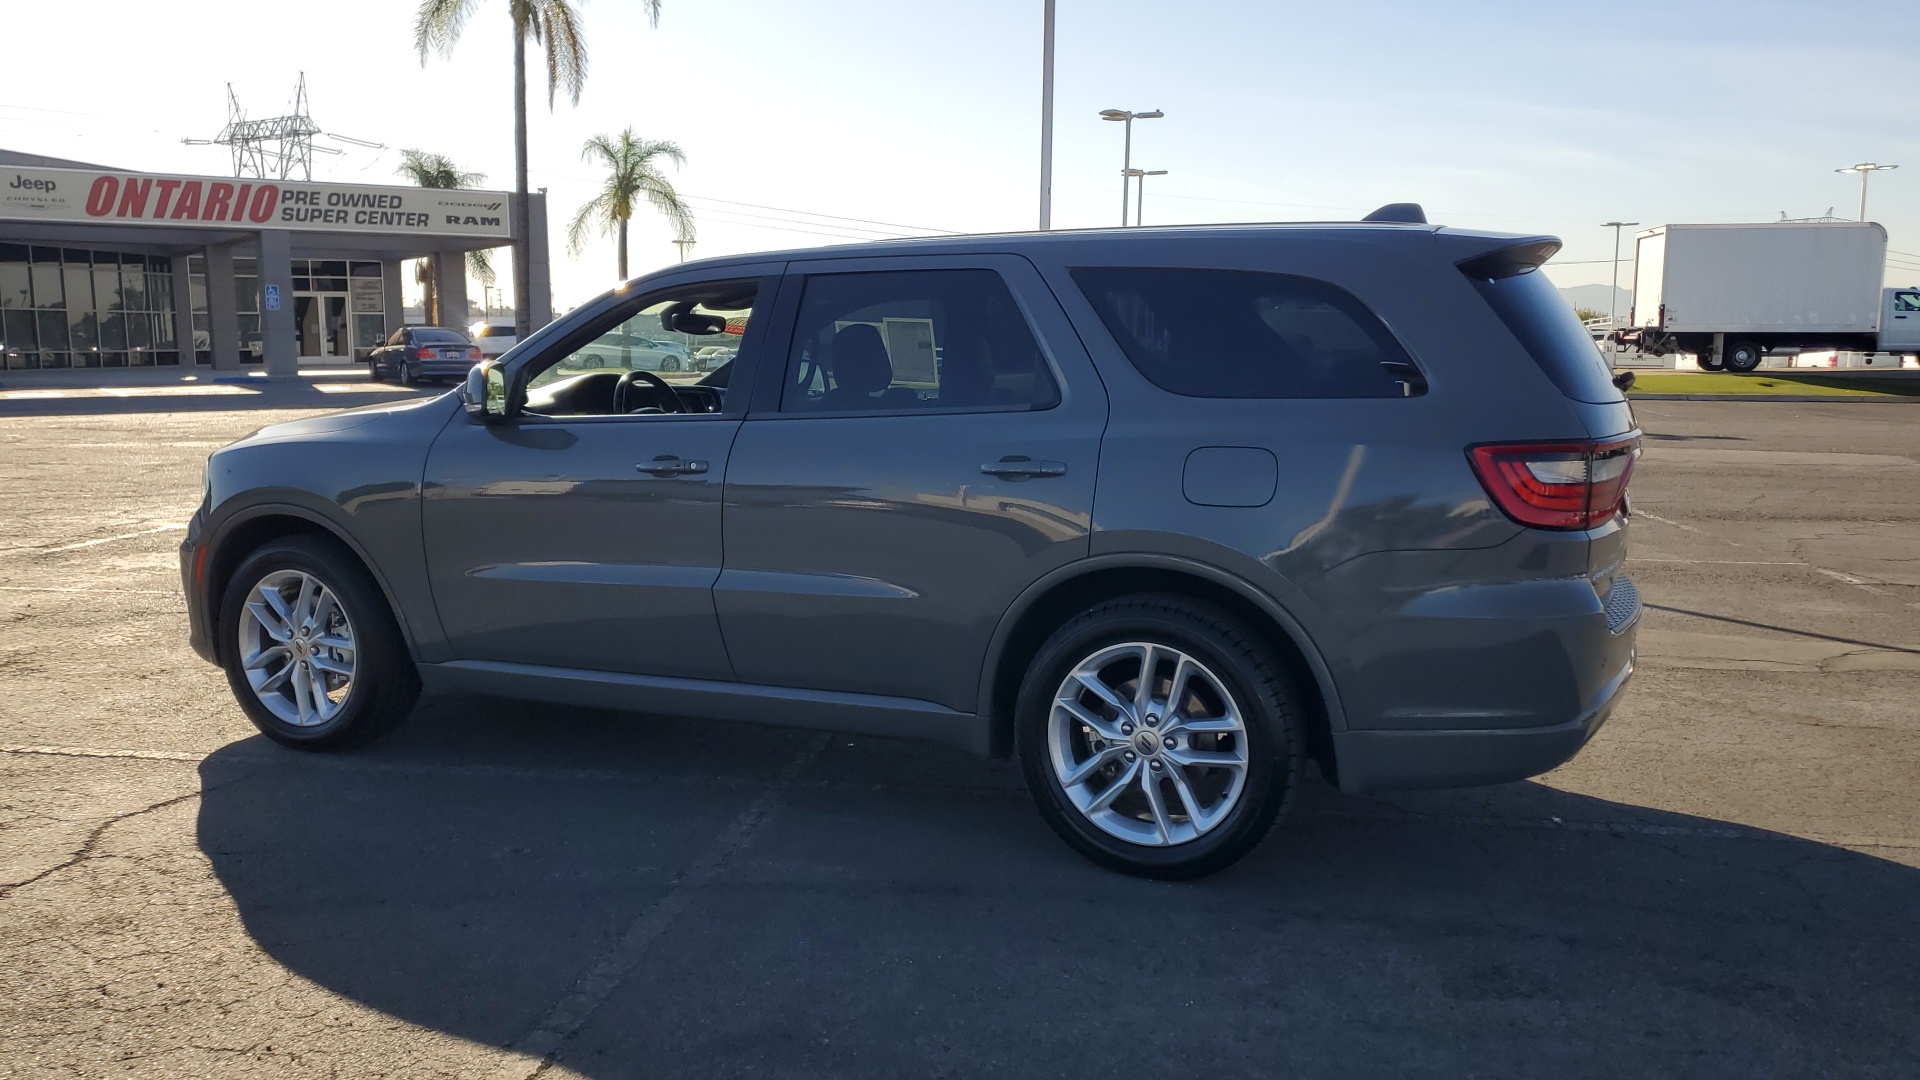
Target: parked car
[
  {"x": 1164, "y": 513},
  {"x": 417, "y": 354},
  {"x": 708, "y": 357},
  {"x": 494, "y": 338},
  {"x": 630, "y": 351}
]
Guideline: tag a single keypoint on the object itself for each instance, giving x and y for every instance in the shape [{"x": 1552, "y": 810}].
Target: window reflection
[{"x": 73, "y": 307}]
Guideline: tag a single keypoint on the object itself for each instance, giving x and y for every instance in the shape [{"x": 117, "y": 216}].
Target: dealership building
[{"x": 109, "y": 268}]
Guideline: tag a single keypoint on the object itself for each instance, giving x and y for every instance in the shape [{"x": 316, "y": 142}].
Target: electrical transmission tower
[{"x": 277, "y": 148}]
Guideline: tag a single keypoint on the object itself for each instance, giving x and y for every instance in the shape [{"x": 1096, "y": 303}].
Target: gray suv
[{"x": 1165, "y": 513}]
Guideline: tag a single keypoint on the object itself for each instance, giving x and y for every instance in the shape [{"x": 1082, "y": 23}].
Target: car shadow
[{"x": 901, "y": 910}]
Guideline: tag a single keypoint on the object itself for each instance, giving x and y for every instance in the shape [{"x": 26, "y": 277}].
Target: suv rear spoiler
[{"x": 1510, "y": 259}]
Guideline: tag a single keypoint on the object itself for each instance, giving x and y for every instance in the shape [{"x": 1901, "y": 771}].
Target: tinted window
[
  {"x": 1242, "y": 333},
  {"x": 1906, "y": 301},
  {"x": 1540, "y": 318},
  {"x": 919, "y": 339},
  {"x": 439, "y": 337}
]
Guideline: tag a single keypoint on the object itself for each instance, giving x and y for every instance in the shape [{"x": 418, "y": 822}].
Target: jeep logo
[{"x": 31, "y": 185}]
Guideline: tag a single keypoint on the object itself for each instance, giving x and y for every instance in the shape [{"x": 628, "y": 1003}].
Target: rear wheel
[
  {"x": 1743, "y": 356},
  {"x": 312, "y": 652},
  {"x": 1158, "y": 736},
  {"x": 407, "y": 376},
  {"x": 1711, "y": 361},
  {"x": 670, "y": 364}
]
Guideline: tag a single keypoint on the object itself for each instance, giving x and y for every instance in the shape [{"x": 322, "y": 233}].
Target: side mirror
[{"x": 485, "y": 392}]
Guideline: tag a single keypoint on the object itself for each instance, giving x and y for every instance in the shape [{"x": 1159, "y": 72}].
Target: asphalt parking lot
[{"x": 1725, "y": 884}]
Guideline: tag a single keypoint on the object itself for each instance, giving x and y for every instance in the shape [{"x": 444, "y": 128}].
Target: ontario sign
[{"x": 90, "y": 197}]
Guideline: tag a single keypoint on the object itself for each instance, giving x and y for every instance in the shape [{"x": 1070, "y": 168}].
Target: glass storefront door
[{"x": 320, "y": 319}]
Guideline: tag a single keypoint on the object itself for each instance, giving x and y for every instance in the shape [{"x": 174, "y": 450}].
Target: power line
[{"x": 886, "y": 234}]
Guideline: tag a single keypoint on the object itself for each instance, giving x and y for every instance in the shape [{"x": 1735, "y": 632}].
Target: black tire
[
  {"x": 670, "y": 364},
  {"x": 1246, "y": 668},
  {"x": 1710, "y": 361},
  {"x": 407, "y": 376},
  {"x": 373, "y": 372},
  {"x": 1743, "y": 356},
  {"x": 385, "y": 684}
]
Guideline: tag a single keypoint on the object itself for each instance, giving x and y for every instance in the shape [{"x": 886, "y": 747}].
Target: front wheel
[
  {"x": 1159, "y": 736},
  {"x": 312, "y": 652}
]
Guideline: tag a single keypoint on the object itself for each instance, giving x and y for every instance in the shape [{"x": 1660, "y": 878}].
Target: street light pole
[
  {"x": 1046, "y": 118},
  {"x": 1613, "y": 293},
  {"x": 684, "y": 245},
  {"x": 1126, "y": 156},
  {"x": 1863, "y": 169},
  {"x": 1140, "y": 203}
]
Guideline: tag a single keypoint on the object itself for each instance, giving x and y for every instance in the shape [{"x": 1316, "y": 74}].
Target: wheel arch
[
  {"x": 1058, "y": 596},
  {"x": 246, "y": 530}
]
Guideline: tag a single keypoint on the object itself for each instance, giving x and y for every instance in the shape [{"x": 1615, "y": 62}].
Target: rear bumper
[
  {"x": 441, "y": 369},
  {"x": 1401, "y": 760}
]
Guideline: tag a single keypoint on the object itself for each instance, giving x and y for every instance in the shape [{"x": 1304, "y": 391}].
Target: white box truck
[{"x": 1733, "y": 294}]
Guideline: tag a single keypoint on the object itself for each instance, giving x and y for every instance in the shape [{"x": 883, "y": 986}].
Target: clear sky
[{"x": 851, "y": 119}]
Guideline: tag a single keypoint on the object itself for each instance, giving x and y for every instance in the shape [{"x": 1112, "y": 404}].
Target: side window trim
[{"x": 768, "y": 403}]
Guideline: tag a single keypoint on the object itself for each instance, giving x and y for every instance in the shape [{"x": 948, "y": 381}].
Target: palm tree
[
  {"x": 632, "y": 171},
  {"x": 439, "y": 171},
  {"x": 554, "y": 24}
]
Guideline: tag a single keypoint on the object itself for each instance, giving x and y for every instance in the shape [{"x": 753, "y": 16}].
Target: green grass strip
[{"x": 1771, "y": 384}]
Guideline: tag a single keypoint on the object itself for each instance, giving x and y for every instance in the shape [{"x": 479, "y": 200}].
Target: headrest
[{"x": 860, "y": 363}]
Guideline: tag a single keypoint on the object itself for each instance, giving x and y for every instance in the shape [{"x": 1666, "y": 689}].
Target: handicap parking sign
[{"x": 273, "y": 298}]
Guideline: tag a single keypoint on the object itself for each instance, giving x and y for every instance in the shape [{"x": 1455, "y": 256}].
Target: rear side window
[
  {"x": 1540, "y": 318},
  {"x": 439, "y": 337},
  {"x": 930, "y": 340},
  {"x": 1244, "y": 333}
]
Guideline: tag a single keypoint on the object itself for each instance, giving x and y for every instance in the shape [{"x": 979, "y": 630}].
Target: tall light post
[
  {"x": 1140, "y": 201},
  {"x": 685, "y": 245},
  {"x": 1126, "y": 156},
  {"x": 1863, "y": 169},
  {"x": 1614, "y": 292},
  {"x": 1046, "y": 117}
]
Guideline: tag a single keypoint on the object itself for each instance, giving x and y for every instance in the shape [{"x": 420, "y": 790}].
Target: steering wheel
[{"x": 623, "y": 389}]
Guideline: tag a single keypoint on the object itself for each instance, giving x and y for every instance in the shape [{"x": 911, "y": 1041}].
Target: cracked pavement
[{"x": 1722, "y": 884}]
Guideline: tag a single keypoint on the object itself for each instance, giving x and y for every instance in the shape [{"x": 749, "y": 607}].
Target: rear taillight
[
  {"x": 1558, "y": 485},
  {"x": 474, "y": 353},
  {"x": 423, "y": 353}
]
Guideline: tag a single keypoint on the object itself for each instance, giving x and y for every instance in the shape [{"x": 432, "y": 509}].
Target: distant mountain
[{"x": 1595, "y": 297}]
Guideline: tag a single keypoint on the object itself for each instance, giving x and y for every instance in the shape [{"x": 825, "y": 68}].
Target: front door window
[{"x": 643, "y": 365}]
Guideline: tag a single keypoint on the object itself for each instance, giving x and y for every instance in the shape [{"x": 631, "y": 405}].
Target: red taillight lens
[
  {"x": 474, "y": 353},
  {"x": 423, "y": 353},
  {"x": 1570, "y": 485}
]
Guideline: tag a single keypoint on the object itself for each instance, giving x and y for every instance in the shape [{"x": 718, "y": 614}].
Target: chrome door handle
[
  {"x": 1020, "y": 467},
  {"x": 668, "y": 465}
]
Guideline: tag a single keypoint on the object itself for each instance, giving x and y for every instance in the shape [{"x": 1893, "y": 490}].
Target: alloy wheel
[
  {"x": 297, "y": 648},
  {"x": 1148, "y": 744}
]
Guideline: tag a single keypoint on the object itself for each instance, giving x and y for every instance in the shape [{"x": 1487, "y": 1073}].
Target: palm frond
[
  {"x": 480, "y": 265},
  {"x": 436, "y": 171},
  {"x": 556, "y": 24},
  {"x": 438, "y": 23}
]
